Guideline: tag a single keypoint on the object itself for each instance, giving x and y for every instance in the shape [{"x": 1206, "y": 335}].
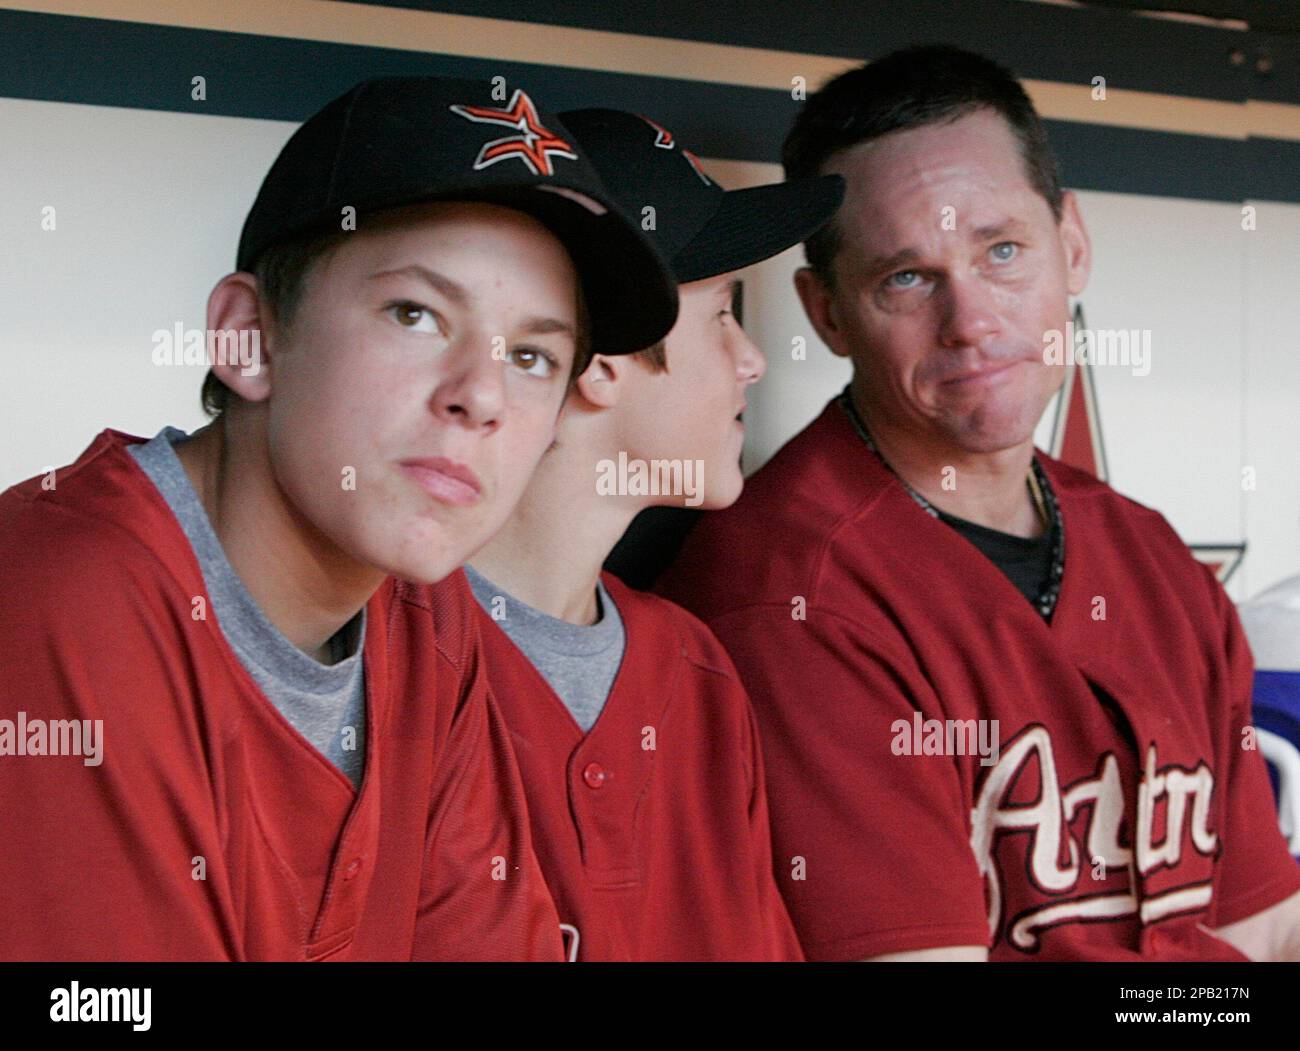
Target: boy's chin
[
  {"x": 424, "y": 573},
  {"x": 720, "y": 497}
]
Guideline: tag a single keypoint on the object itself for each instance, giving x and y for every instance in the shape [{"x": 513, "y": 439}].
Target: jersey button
[
  {"x": 354, "y": 866},
  {"x": 595, "y": 775}
]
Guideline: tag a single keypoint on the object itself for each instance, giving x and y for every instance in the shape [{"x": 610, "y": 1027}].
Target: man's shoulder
[
  {"x": 1108, "y": 519},
  {"x": 1082, "y": 488},
  {"x": 820, "y": 476},
  {"x": 774, "y": 542}
]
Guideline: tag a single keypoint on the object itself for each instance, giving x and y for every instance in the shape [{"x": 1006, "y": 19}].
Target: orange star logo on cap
[{"x": 534, "y": 144}]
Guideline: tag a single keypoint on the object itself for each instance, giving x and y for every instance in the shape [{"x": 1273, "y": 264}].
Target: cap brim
[
  {"x": 629, "y": 288},
  {"x": 755, "y": 224}
]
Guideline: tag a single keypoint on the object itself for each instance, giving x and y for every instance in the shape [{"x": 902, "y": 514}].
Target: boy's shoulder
[
  {"x": 652, "y": 614},
  {"x": 96, "y": 529}
]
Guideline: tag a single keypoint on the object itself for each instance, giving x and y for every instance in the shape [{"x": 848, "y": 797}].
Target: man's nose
[{"x": 968, "y": 312}]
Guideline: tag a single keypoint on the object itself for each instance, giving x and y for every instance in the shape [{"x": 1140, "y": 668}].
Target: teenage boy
[
  {"x": 234, "y": 739},
  {"x": 634, "y": 735}
]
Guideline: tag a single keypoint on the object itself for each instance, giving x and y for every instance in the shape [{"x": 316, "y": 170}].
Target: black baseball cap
[
  {"x": 394, "y": 141},
  {"x": 703, "y": 229}
]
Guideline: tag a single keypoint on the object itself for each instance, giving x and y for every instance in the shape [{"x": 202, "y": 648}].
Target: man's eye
[
  {"x": 534, "y": 362},
  {"x": 414, "y": 317},
  {"x": 903, "y": 280},
  {"x": 1004, "y": 251}
]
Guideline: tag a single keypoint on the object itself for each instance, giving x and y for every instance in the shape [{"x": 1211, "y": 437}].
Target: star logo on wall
[{"x": 1077, "y": 441}]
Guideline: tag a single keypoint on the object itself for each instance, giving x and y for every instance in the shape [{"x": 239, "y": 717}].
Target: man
[
  {"x": 635, "y": 739},
  {"x": 291, "y": 758},
  {"x": 1005, "y": 714}
]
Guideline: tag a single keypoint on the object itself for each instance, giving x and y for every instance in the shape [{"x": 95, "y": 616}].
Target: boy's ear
[
  {"x": 239, "y": 337},
  {"x": 602, "y": 382}
]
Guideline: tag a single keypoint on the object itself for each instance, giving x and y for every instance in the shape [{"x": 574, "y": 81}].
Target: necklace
[{"x": 1040, "y": 490}]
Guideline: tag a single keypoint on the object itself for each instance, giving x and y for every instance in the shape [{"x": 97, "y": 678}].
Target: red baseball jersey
[
  {"x": 652, "y": 828},
  {"x": 210, "y": 829},
  {"x": 1124, "y": 806}
]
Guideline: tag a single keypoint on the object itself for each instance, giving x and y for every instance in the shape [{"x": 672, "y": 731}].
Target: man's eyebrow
[
  {"x": 445, "y": 285},
  {"x": 879, "y": 263},
  {"x": 998, "y": 229}
]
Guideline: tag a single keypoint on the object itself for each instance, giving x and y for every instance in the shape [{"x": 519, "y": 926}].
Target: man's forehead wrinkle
[
  {"x": 899, "y": 184},
  {"x": 979, "y": 197}
]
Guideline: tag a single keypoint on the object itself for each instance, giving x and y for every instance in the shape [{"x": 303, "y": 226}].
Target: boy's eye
[
  {"x": 1004, "y": 251},
  {"x": 533, "y": 361},
  {"x": 414, "y": 317}
]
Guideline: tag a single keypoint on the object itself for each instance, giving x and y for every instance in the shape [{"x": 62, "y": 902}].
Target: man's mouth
[{"x": 982, "y": 374}]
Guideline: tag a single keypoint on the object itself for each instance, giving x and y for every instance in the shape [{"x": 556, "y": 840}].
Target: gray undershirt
[
  {"x": 579, "y": 662},
  {"x": 321, "y": 701}
]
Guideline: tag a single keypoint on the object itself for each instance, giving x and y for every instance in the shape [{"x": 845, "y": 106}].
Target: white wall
[{"x": 149, "y": 207}]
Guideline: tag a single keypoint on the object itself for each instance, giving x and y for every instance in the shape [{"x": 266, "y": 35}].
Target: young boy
[
  {"x": 228, "y": 737},
  {"x": 633, "y": 733}
]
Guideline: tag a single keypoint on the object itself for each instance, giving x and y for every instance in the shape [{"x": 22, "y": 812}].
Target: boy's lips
[{"x": 445, "y": 480}]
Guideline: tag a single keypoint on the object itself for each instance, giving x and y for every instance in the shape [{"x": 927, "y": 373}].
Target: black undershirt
[{"x": 1027, "y": 563}]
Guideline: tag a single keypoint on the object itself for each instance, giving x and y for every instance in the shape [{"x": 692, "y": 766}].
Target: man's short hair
[
  {"x": 282, "y": 272},
  {"x": 933, "y": 84}
]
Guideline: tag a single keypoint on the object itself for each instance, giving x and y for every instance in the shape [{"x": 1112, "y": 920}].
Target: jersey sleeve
[
  {"x": 483, "y": 896},
  {"x": 114, "y": 856},
  {"x": 1255, "y": 870},
  {"x": 871, "y": 848}
]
